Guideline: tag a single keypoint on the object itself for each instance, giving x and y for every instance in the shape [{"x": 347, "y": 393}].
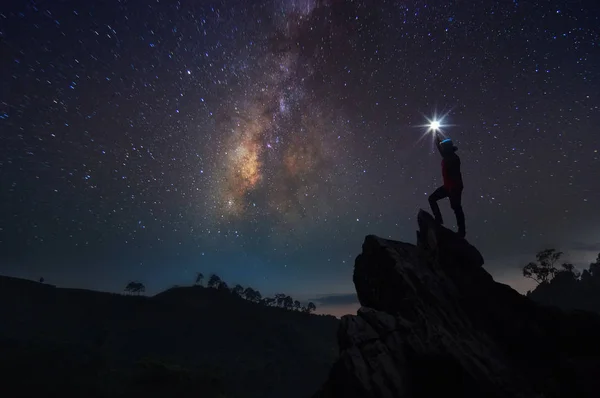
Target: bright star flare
[{"x": 434, "y": 125}]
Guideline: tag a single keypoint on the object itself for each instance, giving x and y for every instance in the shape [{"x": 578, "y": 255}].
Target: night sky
[{"x": 262, "y": 140}]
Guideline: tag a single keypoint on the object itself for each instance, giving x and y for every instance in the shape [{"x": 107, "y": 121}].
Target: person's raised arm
[{"x": 438, "y": 140}]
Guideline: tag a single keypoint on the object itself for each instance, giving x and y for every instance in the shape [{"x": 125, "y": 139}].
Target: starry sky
[{"x": 262, "y": 140}]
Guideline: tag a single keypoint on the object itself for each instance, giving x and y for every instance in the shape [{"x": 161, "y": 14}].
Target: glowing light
[{"x": 435, "y": 124}]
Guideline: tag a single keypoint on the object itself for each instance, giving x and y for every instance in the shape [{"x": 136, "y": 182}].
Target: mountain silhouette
[{"x": 184, "y": 342}]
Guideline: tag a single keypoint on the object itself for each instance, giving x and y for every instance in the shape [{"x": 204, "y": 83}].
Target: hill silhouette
[{"x": 186, "y": 341}]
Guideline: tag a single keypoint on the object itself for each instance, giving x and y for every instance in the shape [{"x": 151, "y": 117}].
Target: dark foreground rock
[{"x": 434, "y": 323}]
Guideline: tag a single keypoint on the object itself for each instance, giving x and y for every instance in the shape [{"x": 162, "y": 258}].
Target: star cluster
[{"x": 262, "y": 140}]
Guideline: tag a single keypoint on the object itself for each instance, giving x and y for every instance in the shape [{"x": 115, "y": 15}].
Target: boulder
[{"x": 433, "y": 322}]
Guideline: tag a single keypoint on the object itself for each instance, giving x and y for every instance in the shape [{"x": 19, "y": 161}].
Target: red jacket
[{"x": 451, "y": 172}]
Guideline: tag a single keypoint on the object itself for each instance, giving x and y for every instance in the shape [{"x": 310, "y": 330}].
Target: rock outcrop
[{"x": 433, "y": 323}]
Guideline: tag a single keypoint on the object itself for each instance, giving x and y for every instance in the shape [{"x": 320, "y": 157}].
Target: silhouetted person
[{"x": 453, "y": 185}]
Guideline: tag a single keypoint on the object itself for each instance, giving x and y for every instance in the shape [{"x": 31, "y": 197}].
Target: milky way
[
  {"x": 278, "y": 159},
  {"x": 263, "y": 140}
]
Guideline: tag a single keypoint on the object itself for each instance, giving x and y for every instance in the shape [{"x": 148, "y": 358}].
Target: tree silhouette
[
  {"x": 199, "y": 278},
  {"x": 288, "y": 303},
  {"x": 238, "y": 290},
  {"x": 268, "y": 301},
  {"x": 570, "y": 269},
  {"x": 135, "y": 287},
  {"x": 590, "y": 279},
  {"x": 249, "y": 294},
  {"x": 279, "y": 299},
  {"x": 214, "y": 281},
  {"x": 544, "y": 270},
  {"x": 252, "y": 295},
  {"x": 595, "y": 268},
  {"x": 130, "y": 287}
]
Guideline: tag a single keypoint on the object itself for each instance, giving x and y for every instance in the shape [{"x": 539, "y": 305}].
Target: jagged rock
[{"x": 433, "y": 322}]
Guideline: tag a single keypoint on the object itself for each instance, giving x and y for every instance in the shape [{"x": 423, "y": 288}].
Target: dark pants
[{"x": 455, "y": 204}]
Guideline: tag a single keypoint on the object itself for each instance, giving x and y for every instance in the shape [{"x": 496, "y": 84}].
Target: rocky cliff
[{"x": 433, "y": 322}]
